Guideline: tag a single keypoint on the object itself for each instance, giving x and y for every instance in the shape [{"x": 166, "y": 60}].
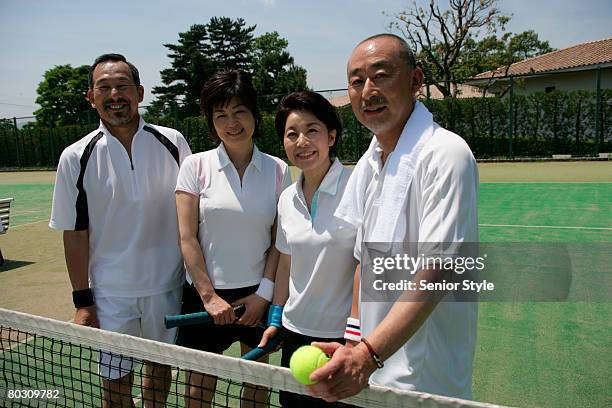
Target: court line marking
[
  {"x": 481, "y": 225},
  {"x": 25, "y": 212},
  {"x": 545, "y": 182},
  {"x": 136, "y": 399},
  {"x": 28, "y": 223},
  {"x": 545, "y": 226},
  {"x": 26, "y": 340},
  {"x": 19, "y": 343}
]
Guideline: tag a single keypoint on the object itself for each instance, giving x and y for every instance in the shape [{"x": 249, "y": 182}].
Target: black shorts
[
  {"x": 291, "y": 342},
  {"x": 211, "y": 337}
]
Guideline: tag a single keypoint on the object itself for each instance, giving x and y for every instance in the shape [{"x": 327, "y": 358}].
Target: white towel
[{"x": 400, "y": 169}]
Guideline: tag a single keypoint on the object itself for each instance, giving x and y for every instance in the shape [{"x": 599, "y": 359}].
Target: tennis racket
[
  {"x": 172, "y": 321},
  {"x": 196, "y": 318}
]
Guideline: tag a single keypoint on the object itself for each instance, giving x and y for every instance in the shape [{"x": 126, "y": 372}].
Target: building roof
[
  {"x": 463, "y": 91},
  {"x": 339, "y": 101},
  {"x": 578, "y": 56}
]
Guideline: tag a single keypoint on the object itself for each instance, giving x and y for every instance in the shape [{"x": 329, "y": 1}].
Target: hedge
[{"x": 543, "y": 124}]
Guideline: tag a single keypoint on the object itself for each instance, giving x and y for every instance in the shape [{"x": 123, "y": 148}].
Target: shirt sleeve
[
  {"x": 358, "y": 241},
  {"x": 65, "y": 192},
  {"x": 351, "y": 207},
  {"x": 449, "y": 198},
  {"x": 188, "y": 181},
  {"x": 285, "y": 181},
  {"x": 281, "y": 238},
  {"x": 183, "y": 147}
]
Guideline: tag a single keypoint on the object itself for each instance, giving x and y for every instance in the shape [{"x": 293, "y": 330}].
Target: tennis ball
[{"x": 304, "y": 361}]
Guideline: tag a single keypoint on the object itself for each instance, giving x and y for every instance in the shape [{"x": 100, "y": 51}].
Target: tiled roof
[
  {"x": 581, "y": 55},
  {"x": 463, "y": 91},
  {"x": 339, "y": 101}
]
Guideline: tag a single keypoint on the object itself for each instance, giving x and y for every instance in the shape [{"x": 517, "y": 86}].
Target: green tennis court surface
[{"x": 528, "y": 354}]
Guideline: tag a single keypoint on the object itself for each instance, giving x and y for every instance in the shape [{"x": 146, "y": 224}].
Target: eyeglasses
[{"x": 105, "y": 89}]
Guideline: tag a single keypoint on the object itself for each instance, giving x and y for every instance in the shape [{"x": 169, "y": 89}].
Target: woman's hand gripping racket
[{"x": 172, "y": 321}]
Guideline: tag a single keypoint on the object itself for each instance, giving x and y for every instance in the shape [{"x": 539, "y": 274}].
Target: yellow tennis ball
[{"x": 304, "y": 361}]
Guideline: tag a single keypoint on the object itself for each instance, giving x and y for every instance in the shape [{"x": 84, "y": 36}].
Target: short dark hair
[
  {"x": 314, "y": 103},
  {"x": 405, "y": 52},
  {"x": 117, "y": 58},
  {"x": 221, "y": 88}
]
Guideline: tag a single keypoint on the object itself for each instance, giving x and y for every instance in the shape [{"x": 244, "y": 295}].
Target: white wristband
[
  {"x": 265, "y": 289},
  {"x": 353, "y": 329}
]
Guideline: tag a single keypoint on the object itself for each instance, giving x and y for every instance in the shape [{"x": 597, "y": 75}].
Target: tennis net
[{"x": 45, "y": 362}]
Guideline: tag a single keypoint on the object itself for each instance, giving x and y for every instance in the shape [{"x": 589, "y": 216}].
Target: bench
[{"x": 5, "y": 209}]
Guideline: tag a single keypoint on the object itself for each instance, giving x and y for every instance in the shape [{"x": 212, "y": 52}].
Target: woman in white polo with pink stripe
[{"x": 226, "y": 202}]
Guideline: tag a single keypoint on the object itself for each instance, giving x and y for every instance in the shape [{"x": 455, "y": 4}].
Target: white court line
[
  {"x": 26, "y": 340},
  {"x": 29, "y": 223},
  {"x": 25, "y": 212},
  {"x": 137, "y": 399},
  {"x": 546, "y": 182},
  {"x": 545, "y": 226},
  {"x": 19, "y": 343}
]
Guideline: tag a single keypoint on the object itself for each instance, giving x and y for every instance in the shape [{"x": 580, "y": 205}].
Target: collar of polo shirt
[{"x": 224, "y": 159}]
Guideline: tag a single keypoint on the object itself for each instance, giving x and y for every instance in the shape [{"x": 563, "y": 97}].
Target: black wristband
[{"x": 82, "y": 298}]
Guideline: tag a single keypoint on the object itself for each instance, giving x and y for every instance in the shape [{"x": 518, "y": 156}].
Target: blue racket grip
[
  {"x": 195, "y": 318},
  {"x": 259, "y": 352},
  {"x": 187, "y": 319}
]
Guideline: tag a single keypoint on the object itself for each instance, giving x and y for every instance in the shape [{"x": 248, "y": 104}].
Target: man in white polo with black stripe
[{"x": 114, "y": 200}]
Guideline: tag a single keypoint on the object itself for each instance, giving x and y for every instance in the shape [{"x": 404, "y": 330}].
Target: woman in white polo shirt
[
  {"x": 226, "y": 202},
  {"x": 314, "y": 280}
]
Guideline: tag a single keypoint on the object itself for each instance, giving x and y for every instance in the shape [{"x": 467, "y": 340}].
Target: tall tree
[
  {"x": 497, "y": 54},
  {"x": 6, "y": 124},
  {"x": 223, "y": 43},
  {"x": 493, "y": 53},
  {"x": 274, "y": 71},
  {"x": 202, "y": 50},
  {"x": 231, "y": 43},
  {"x": 62, "y": 96},
  {"x": 439, "y": 35}
]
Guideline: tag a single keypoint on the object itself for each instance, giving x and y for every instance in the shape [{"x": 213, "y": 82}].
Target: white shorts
[{"x": 137, "y": 316}]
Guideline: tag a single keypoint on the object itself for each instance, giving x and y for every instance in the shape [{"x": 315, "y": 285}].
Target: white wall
[{"x": 562, "y": 82}]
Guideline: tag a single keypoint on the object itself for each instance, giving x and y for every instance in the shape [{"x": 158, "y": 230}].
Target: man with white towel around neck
[{"x": 417, "y": 183}]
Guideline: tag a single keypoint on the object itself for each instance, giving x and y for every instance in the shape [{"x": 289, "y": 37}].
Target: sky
[{"x": 36, "y": 35}]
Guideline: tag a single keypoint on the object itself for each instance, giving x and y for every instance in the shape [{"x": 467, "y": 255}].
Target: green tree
[
  {"x": 224, "y": 43},
  {"x": 62, "y": 96},
  {"x": 201, "y": 51},
  {"x": 274, "y": 71},
  {"x": 231, "y": 43},
  {"x": 439, "y": 35},
  {"x": 498, "y": 53},
  {"x": 6, "y": 124}
]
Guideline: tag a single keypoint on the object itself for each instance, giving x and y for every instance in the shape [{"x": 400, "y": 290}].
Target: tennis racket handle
[
  {"x": 259, "y": 352},
  {"x": 187, "y": 319},
  {"x": 195, "y": 318}
]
